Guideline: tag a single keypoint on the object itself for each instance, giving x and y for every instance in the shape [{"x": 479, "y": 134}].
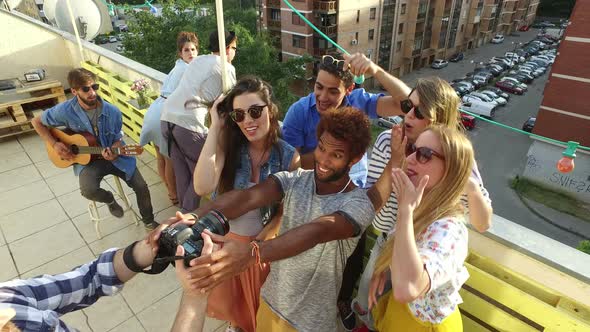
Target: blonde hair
[
  {"x": 439, "y": 101},
  {"x": 442, "y": 200}
]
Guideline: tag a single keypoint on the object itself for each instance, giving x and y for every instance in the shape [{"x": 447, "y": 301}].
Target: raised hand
[
  {"x": 214, "y": 112},
  {"x": 359, "y": 64},
  {"x": 407, "y": 194},
  {"x": 398, "y": 146}
]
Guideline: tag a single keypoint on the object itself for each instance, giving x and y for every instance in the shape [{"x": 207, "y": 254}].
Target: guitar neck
[{"x": 95, "y": 150}]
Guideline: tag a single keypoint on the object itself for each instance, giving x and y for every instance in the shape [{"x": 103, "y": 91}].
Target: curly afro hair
[{"x": 348, "y": 124}]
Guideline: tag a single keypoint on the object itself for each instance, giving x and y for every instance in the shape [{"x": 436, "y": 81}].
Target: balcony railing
[
  {"x": 318, "y": 52},
  {"x": 273, "y": 3},
  {"x": 274, "y": 24},
  {"x": 325, "y": 6},
  {"x": 329, "y": 30}
]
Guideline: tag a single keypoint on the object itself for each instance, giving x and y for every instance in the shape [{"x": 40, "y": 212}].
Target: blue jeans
[{"x": 96, "y": 170}]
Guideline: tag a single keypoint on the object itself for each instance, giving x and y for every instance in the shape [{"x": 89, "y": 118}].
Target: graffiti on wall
[{"x": 570, "y": 183}]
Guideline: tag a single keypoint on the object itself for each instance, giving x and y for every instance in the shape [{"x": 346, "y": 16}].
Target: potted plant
[{"x": 142, "y": 87}]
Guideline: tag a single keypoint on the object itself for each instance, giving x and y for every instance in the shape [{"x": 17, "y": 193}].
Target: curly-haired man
[{"x": 324, "y": 213}]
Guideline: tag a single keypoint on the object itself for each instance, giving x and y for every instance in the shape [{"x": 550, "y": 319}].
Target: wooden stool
[{"x": 127, "y": 206}]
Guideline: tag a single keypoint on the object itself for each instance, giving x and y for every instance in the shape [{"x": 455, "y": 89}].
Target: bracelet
[
  {"x": 129, "y": 260},
  {"x": 256, "y": 252}
]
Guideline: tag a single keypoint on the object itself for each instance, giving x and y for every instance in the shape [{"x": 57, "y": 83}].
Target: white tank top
[{"x": 249, "y": 224}]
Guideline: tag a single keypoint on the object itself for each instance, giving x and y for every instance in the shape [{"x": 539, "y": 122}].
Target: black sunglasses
[
  {"x": 407, "y": 105},
  {"x": 329, "y": 60},
  {"x": 94, "y": 87},
  {"x": 424, "y": 154},
  {"x": 239, "y": 115}
]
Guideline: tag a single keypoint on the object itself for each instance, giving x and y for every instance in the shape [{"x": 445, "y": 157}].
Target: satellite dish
[
  {"x": 49, "y": 9},
  {"x": 87, "y": 17},
  {"x": 13, "y": 3}
]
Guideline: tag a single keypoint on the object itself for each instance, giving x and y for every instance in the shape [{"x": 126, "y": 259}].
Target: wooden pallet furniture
[
  {"x": 18, "y": 106},
  {"x": 498, "y": 298}
]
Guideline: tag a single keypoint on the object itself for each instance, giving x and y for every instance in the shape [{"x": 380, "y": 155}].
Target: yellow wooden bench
[{"x": 497, "y": 298}]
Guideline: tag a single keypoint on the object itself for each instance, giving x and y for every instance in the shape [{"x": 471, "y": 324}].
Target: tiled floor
[{"x": 45, "y": 229}]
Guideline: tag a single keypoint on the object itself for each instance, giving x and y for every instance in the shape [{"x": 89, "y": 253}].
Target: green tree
[{"x": 152, "y": 41}]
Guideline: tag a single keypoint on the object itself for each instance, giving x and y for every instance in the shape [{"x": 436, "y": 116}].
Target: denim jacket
[
  {"x": 281, "y": 155},
  {"x": 110, "y": 122}
]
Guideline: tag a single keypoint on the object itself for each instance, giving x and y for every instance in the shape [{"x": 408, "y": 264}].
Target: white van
[{"x": 479, "y": 107}]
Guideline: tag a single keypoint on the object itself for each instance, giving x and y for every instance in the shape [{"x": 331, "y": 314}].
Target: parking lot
[{"x": 501, "y": 153}]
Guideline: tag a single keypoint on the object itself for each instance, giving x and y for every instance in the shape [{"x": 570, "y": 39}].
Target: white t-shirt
[
  {"x": 386, "y": 218},
  {"x": 200, "y": 85}
]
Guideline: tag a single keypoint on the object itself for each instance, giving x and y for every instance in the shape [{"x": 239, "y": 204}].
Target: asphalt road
[{"x": 501, "y": 153}]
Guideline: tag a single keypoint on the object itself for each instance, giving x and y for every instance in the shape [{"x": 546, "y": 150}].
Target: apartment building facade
[{"x": 400, "y": 35}]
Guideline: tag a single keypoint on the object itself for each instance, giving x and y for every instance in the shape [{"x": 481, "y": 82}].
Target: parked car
[
  {"x": 529, "y": 124},
  {"x": 461, "y": 90},
  {"x": 483, "y": 77},
  {"x": 480, "y": 97},
  {"x": 495, "y": 69},
  {"x": 514, "y": 81},
  {"x": 497, "y": 39},
  {"x": 500, "y": 100},
  {"x": 439, "y": 63},
  {"x": 457, "y": 57},
  {"x": 389, "y": 121},
  {"x": 120, "y": 37},
  {"x": 112, "y": 39},
  {"x": 468, "y": 85},
  {"x": 468, "y": 121},
  {"x": 509, "y": 87},
  {"x": 499, "y": 92},
  {"x": 524, "y": 28},
  {"x": 120, "y": 48},
  {"x": 479, "y": 107},
  {"x": 101, "y": 39}
]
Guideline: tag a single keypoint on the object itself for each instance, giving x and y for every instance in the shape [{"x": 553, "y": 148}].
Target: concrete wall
[{"x": 541, "y": 166}]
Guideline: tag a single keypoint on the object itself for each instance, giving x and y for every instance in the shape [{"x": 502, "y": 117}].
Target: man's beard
[
  {"x": 89, "y": 103},
  {"x": 337, "y": 175}
]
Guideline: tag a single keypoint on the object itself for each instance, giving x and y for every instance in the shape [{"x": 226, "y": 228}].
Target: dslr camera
[{"x": 190, "y": 237}]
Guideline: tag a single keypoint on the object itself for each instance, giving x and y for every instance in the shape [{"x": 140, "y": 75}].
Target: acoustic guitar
[{"x": 84, "y": 147}]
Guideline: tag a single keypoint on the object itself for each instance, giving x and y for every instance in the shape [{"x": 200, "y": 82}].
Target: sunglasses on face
[
  {"x": 94, "y": 87},
  {"x": 407, "y": 105},
  {"x": 328, "y": 60},
  {"x": 424, "y": 154},
  {"x": 239, "y": 115}
]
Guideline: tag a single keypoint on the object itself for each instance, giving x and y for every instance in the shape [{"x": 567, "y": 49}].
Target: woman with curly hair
[
  {"x": 187, "y": 45},
  {"x": 243, "y": 148}
]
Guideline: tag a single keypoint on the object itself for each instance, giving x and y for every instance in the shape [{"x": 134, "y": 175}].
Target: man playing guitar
[{"x": 90, "y": 113}]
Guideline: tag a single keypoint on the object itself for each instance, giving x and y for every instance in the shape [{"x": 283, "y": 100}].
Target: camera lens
[{"x": 214, "y": 221}]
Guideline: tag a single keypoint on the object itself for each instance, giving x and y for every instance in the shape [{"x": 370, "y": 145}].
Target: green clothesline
[
  {"x": 475, "y": 115},
  {"x": 148, "y": 4}
]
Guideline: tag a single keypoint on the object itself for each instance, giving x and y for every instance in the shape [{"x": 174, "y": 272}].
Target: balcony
[
  {"x": 541, "y": 278},
  {"x": 273, "y": 4},
  {"x": 274, "y": 24},
  {"x": 318, "y": 52},
  {"x": 329, "y": 30},
  {"x": 326, "y": 7}
]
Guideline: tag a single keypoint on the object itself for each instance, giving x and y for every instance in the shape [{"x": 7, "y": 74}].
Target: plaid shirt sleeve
[{"x": 40, "y": 301}]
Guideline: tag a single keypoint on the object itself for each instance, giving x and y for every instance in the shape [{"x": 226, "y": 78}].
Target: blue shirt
[
  {"x": 301, "y": 121},
  {"x": 71, "y": 115},
  {"x": 39, "y": 302}
]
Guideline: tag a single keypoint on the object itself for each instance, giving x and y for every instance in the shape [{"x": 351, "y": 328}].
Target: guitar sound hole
[{"x": 74, "y": 148}]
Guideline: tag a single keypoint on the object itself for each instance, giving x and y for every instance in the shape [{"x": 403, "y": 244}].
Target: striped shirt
[
  {"x": 386, "y": 217},
  {"x": 40, "y": 302}
]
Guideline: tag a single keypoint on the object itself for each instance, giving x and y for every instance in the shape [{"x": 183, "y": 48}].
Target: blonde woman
[
  {"x": 432, "y": 102},
  {"x": 424, "y": 254}
]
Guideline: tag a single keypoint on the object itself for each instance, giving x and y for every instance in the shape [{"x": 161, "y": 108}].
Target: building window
[
  {"x": 403, "y": 8},
  {"x": 358, "y": 16},
  {"x": 461, "y": 27},
  {"x": 298, "y": 41},
  {"x": 373, "y": 13},
  {"x": 400, "y": 29},
  {"x": 295, "y": 19},
  {"x": 275, "y": 14},
  {"x": 371, "y": 34},
  {"x": 398, "y": 46}
]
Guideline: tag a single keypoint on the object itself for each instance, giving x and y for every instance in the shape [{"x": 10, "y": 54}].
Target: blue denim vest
[{"x": 281, "y": 155}]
